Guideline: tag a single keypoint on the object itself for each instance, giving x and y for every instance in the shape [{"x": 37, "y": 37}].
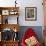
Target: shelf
[
  {"x": 11, "y": 41},
  {"x": 9, "y": 10},
  {"x": 10, "y": 26}
]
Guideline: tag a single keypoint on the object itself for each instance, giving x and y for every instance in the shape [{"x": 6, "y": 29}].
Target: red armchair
[{"x": 28, "y": 34}]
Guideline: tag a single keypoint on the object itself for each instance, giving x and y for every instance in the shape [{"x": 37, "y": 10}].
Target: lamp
[{"x": 15, "y": 3}]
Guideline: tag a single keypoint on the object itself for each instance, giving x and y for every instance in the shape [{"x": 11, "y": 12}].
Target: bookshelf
[{"x": 6, "y": 25}]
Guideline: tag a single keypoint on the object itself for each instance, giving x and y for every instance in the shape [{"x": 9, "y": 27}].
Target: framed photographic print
[
  {"x": 5, "y": 12},
  {"x": 31, "y": 13}
]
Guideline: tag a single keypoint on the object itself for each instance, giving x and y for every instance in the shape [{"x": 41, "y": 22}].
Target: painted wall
[{"x": 26, "y": 3}]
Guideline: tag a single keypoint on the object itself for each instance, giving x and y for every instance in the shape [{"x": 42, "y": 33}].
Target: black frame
[{"x": 34, "y": 11}]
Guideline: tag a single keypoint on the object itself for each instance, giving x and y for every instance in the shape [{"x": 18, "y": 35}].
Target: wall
[
  {"x": 31, "y": 3},
  {"x": 26, "y": 3}
]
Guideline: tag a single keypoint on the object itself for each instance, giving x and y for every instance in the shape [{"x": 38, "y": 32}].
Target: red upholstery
[{"x": 29, "y": 33}]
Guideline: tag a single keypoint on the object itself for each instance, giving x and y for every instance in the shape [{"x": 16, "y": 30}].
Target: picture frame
[
  {"x": 5, "y": 12},
  {"x": 30, "y": 13}
]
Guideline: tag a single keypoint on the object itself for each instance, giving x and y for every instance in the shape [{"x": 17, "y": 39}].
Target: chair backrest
[{"x": 29, "y": 32}]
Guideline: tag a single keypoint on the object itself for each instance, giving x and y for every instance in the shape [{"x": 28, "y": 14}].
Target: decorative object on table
[
  {"x": 15, "y": 37},
  {"x": 30, "y": 38},
  {"x": 30, "y": 13},
  {"x": 7, "y": 34},
  {"x": 15, "y": 3},
  {"x": 13, "y": 12}
]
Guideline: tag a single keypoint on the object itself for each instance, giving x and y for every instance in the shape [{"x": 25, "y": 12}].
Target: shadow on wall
[{"x": 37, "y": 29}]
